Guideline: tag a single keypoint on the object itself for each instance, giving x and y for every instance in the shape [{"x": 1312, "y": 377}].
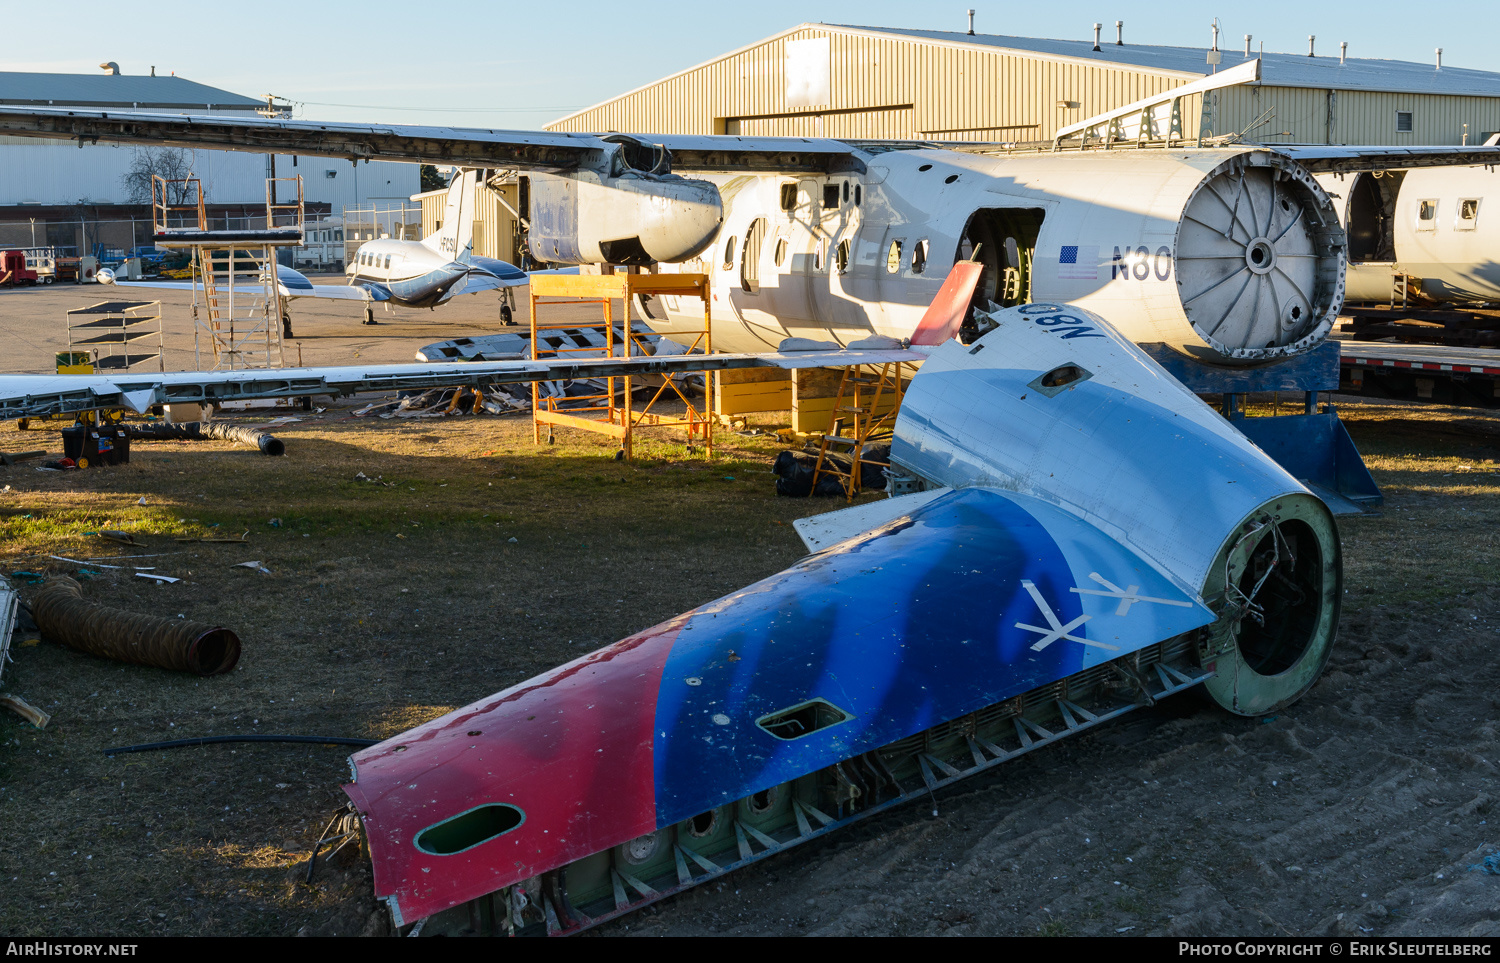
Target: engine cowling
[{"x": 634, "y": 217}]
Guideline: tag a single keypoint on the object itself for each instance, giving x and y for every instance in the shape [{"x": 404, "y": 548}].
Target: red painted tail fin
[{"x": 946, "y": 313}]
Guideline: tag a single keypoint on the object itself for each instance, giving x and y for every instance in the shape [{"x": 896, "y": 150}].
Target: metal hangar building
[{"x": 875, "y": 83}]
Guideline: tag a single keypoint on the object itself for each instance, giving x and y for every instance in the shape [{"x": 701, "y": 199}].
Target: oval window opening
[
  {"x": 780, "y": 252},
  {"x": 919, "y": 257},
  {"x": 842, "y": 256},
  {"x": 803, "y": 719},
  {"x": 467, "y": 830},
  {"x": 893, "y": 258},
  {"x": 1062, "y": 377}
]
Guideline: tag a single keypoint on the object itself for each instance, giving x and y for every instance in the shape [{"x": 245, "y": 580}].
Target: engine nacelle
[{"x": 633, "y": 217}]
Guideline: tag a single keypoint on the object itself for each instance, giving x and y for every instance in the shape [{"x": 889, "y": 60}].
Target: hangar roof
[
  {"x": 117, "y": 90},
  {"x": 1277, "y": 69}
]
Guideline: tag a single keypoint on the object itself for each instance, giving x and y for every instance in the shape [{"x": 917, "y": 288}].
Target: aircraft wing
[
  {"x": 1321, "y": 160},
  {"x": 293, "y": 284},
  {"x": 33, "y": 395},
  {"x": 466, "y": 147}
]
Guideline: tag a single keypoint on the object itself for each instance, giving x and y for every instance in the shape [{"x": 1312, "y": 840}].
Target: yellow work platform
[{"x": 613, "y": 412}]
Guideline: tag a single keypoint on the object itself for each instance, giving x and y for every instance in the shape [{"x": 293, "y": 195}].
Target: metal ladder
[
  {"x": 864, "y": 391},
  {"x": 241, "y": 309}
]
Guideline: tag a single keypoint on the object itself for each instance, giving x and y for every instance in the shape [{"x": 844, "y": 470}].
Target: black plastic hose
[
  {"x": 199, "y": 430},
  {"x": 219, "y": 740}
]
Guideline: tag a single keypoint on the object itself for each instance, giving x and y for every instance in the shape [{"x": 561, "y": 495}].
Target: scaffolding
[
  {"x": 868, "y": 400},
  {"x": 239, "y": 318},
  {"x": 613, "y": 411},
  {"x": 114, "y": 336}
]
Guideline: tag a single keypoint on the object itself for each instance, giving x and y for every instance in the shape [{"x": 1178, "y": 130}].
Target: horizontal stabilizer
[{"x": 822, "y": 531}]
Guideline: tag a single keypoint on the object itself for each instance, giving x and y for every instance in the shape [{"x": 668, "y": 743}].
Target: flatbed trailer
[
  {"x": 1438, "y": 374},
  {"x": 1474, "y": 325}
]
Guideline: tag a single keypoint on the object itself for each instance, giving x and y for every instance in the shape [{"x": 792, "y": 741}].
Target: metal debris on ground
[
  {"x": 255, "y": 565},
  {"x": 66, "y": 617},
  {"x": 25, "y": 710},
  {"x": 442, "y": 402},
  {"x": 160, "y": 578},
  {"x": 223, "y": 540},
  {"x": 124, "y": 538}
]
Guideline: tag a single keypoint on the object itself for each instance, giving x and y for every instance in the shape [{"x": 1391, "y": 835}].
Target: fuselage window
[
  {"x": 830, "y": 196},
  {"x": 729, "y": 252},
  {"x": 856, "y": 195},
  {"x": 788, "y": 197},
  {"x": 893, "y": 257},
  {"x": 842, "y": 256},
  {"x": 780, "y": 251},
  {"x": 387, "y": 262},
  {"x": 919, "y": 257},
  {"x": 1468, "y": 214},
  {"x": 1427, "y": 212},
  {"x": 750, "y": 257}
]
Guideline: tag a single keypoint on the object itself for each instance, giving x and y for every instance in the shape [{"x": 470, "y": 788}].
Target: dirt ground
[{"x": 1365, "y": 809}]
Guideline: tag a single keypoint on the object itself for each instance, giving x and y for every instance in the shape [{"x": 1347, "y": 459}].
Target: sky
[{"x": 508, "y": 66}]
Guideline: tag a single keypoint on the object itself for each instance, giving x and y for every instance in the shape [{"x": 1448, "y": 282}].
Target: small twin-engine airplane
[
  {"x": 1086, "y": 535},
  {"x": 410, "y": 274}
]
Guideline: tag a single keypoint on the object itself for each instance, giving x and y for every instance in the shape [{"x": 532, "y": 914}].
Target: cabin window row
[
  {"x": 1465, "y": 218},
  {"x": 749, "y": 255}
]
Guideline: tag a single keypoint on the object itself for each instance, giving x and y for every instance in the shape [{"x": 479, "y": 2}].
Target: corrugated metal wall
[
  {"x": 494, "y": 226},
  {"x": 1302, "y": 115},
  {"x": 880, "y": 87},
  {"x": 891, "y": 87}
]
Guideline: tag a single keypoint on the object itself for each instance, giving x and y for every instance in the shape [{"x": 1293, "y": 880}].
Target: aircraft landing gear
[
  {"x": 286, "y": 324},
  {"x": 506, "y": 315},
  {"x": 370, "y": 315}
]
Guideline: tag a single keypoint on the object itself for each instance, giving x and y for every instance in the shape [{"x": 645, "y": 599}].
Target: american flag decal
[{"x": 1078, "y": 262}]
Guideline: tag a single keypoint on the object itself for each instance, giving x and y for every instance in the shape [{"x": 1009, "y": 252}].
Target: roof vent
[
  {"x": 1119, "y": 33},
  {"x": 1343, "y": 51},
  {"x": 1310, "y": 39},
  {"x": 1097, "y": 28},
  {"x": 1440, "y": 58},
  {"x": 1247, "y": 45},
  {"x": 112, "y": 67},
  {"x": 971, "y": 22}
]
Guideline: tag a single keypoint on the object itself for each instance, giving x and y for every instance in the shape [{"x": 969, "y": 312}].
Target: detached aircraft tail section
[{"x": 1094, "y": 538}]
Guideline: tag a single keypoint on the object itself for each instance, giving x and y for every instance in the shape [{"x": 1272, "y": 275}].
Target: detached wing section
[
  {"x": 293, "y": 284},
  {"x": 968, "y": 600},
  {"x": 546, "y": 151},
  {"x": 1332, "y": 159},
  {"x": 32, "y": 395}
]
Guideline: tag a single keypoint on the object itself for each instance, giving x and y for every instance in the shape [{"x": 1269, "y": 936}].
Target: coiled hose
[
  {"x": 198, "y": 430},
  {"x": 64, "y": 615}
]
